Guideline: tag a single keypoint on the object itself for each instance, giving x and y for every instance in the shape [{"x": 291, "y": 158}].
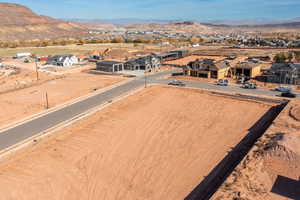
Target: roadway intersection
[{"x": 28, "y": 129}]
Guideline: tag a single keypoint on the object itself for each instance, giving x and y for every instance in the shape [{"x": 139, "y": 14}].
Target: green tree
[
  {"x": 280, "y": 58},
  {"x": 45, "y": 44},
  {"x": 117, "y": 40},
  {"x": 290, "y": 56},
  {"x": 63, "y": 42},
  {"x": 297, "y": 55}
]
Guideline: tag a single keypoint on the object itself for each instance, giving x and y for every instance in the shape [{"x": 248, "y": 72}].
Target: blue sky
[{"x": 166, "y": 9}]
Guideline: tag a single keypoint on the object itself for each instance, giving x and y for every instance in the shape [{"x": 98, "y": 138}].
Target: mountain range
[{"x": 19, "y": 23}]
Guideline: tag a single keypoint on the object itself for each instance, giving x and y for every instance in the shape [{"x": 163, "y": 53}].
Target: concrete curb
[
  {"x": 58, "y": 107},
  {"x": 52, "y": 130},
  {"x": 48, "y": 132}
]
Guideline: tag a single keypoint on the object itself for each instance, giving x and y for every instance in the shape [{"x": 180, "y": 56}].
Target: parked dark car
[
  {"x": 288, "y": 94},
  {"x": 176, "y": 83}
]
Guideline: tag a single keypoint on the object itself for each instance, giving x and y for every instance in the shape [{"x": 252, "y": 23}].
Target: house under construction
[
  {"x": 110, "y": 66},
  {"x": 284, "y": 73},
  {"x": 148, "y": 63},
  {"x": 207, "y": 68},
  {"x": 246, "y": 69}
]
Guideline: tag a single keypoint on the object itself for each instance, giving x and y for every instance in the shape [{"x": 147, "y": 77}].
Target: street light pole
[{"x": 47, "y": 101}]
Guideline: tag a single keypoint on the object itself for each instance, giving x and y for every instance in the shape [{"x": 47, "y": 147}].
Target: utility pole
[
  {"x": 47, "y": 101},
  {"x": 36, "y": 69},
  {"x": 146, "y": 77}
]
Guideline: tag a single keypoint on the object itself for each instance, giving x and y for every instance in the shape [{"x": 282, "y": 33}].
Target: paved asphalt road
[
  {"x": 230, "y": 88},
  {"x": 21, "y": 132}
]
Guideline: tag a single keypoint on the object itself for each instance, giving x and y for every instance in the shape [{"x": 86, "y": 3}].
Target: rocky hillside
[{"x": 19, "y": 23}]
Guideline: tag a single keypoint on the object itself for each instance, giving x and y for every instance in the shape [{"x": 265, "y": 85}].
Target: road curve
[{"x": 31, "y": 128}]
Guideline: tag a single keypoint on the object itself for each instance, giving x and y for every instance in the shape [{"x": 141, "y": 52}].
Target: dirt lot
[
  {"x": 276, "y": 156},
  {"x": 21, "y": 103},
  {"x": 157, "y": 144},
  {"x": 81, "y": 49}
]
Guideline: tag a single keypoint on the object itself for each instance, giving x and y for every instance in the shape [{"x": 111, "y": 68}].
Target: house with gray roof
[
  {"x": 148, "y": 63},
  {"x": 110, "y": 66}
]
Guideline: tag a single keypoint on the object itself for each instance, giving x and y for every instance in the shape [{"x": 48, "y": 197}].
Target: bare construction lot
[
  {"x": 156, "y": 144},
  {"x": 21, "y": 103}
]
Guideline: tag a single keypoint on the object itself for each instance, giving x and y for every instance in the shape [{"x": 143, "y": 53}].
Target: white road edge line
[
  {"x": 61, "y": 106},
  {"x": 10, "y": 150}
]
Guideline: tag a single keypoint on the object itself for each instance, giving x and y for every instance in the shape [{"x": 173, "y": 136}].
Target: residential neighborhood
[{"x": 150, "y": 100}]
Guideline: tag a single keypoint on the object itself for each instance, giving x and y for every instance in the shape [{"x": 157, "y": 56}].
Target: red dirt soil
[
  {"x": 276, "y": 154},
  {"x": 157, "y": 144},
  {"x": 295, "y": 113},
  {"x": 22, "y": 103}
]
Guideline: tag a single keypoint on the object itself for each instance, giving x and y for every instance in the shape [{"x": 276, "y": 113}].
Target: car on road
[
  {"x": 223, "y": 82},
  {"x": 283, "y": 89},
  {"x": 176, "y": 83},
  {"x": 249, "y": 86},
  {"x": 288, "y": 94}
]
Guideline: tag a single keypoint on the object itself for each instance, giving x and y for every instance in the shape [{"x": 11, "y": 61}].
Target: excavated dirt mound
[
  {"x": 295, "y": 113},
  {"x": 255, "y": 178},
  {"x": 274, "y": 160},
  {"x": 118, "y": 54}
]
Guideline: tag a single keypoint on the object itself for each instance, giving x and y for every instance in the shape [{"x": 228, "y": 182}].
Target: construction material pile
[
  {"x": 7, "y": 70},
  {"x": 295, "y": 113},
  {"x": 274, "y": 160}
]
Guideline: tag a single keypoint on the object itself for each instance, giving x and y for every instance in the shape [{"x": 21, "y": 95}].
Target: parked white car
[
  {"x": 283, "y": 89},
  {"x": 222, "y": 82},
  {"x": 249, "y": 86}
]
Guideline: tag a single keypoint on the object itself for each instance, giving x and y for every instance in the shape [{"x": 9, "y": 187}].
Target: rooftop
[
  {"x": 166, "y": 54},
  {"x": 179, "y": 50},
  {"x": 246, "y": 65},
  {"x": 109, "y": 62}
]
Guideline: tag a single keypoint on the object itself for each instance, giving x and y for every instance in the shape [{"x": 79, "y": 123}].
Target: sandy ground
[
  {"x": 24, "y": 78},
  {"x": 276, "y": 154},
  {"x": 157, "y": 144},
  {"x": 21, "y": 103}
]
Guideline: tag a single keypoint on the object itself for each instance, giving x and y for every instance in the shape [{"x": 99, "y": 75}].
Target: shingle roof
[
  {"x": 246, "y": 65},
  {"x": 221, "y": 65},
  {"x": 166, "y": 54}
]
